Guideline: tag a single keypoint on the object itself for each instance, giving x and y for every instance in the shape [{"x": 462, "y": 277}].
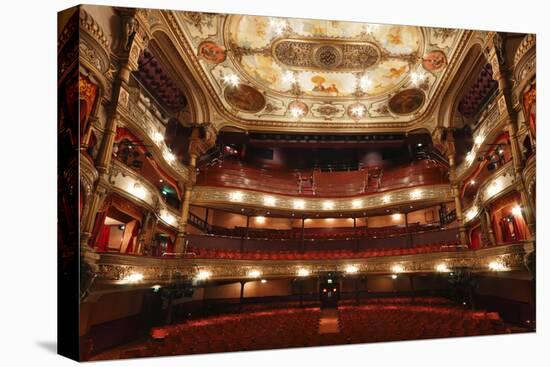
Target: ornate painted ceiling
[{"x": 267, "y": 71}]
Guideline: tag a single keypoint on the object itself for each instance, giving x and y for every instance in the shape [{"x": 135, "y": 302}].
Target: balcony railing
[
  {"x": 117, "y": 270},
  {"x": 483, "y": 131},
  {"x": 235, "y": 174}
]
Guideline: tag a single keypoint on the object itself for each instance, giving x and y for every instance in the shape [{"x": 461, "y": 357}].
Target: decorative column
[
  {"x": 202, "y": 138},
  {"x": 132, "y": 42},
  {"x": 487, "y": 223},
  {"x": 143, "y": 233},
  {"x": 455, "y": 187},
  {"x": 519, "y": 164},
  {"x": 501, "y": 73}
]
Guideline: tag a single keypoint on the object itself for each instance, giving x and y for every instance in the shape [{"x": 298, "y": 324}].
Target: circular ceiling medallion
[
  {"x": 406, "y": 101},
  {"x": 356, "y": 111},
  {"x": 211, "y": 52},
  {"x": 298, "y": 109},
  {"x": 245, "y": 98},
  {"x": 327, "y": 56},
  {"x": 434, "y": 60}
]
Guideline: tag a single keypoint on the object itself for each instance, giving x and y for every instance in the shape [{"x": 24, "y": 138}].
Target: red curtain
[
  {"x": 102, "y": 243},
  {"x": 98, "y": 227},
  {"x": 475, "y": 238},
  {"x": 169, "y": 245}
]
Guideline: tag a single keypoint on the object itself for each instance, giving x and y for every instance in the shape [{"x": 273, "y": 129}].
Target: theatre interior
[{"x": 248, "y": 182}]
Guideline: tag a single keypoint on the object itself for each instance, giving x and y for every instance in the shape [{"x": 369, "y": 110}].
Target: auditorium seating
[
  {"x": 288, "y": 326},
  {"x": 208, "y": 253},
  {"x": 323, "y": 233},
  {"x": 240, "y": 332},
  {"x": 234, "y": 173},
  {"x": 376, "y": 323}
]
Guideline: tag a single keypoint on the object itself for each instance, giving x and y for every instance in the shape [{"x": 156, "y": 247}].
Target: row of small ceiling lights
[
  {"x": 260, "y": 219},
  {"x": 299, "y": 204},
  {"x": 297, "y": 109},
  {"x": 303, "y": 272}
]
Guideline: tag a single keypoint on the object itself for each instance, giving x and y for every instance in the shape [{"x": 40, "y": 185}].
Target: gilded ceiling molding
[
  {"x": 206, "y": 195},
  {"x": 447, "y": 108},
  {"x": 94, "y": 47},
  {"x": 229, "y": 119},
  {"x": 114, "y": 269},
  {"x": 167, "y": 49},
  {"x": 525, "y": 61}
]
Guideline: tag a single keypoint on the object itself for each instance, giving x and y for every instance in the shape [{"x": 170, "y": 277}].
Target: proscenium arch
[
  {"x": 448, "y": 106},
  {"x": 165, "y": 50}
]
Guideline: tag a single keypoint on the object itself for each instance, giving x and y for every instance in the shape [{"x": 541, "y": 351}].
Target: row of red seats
[
  {"x": 322, "y": 233},
  {"x": 316, "y": 254},
  {"x": 233, "y": 173},
  {"x": 385, "y": 320},
  {"x": 375, "y": 323}
]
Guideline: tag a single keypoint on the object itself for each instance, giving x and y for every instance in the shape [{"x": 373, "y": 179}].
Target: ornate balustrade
[
  {"x": 127, "y": 271},
  {"x": 136, "y": 188},
  {"x": 205, "y": 195},
  {"x": 500, "y": 182},
  {"x": 490, "y": 124},
  {"x": 141, "y": 115}
]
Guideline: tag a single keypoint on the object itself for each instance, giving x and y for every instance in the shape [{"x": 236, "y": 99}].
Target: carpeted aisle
[{"x": 328, "y": 323}]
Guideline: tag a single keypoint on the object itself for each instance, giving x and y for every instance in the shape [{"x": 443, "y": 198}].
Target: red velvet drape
[
  {"x": 102, "y": 243},
  {"x": 475, "y": 238},
  {"x": 99, "y": 223},
  {"x": 170, "y": 245}
]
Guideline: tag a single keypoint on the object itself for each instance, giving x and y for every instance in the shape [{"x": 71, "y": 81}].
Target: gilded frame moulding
[
  {"x": 207, "y": 195},
  {"x": 114, "y": 268}
]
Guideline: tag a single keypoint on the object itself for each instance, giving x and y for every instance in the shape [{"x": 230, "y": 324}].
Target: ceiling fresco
[{"x": 299, "y": 71}]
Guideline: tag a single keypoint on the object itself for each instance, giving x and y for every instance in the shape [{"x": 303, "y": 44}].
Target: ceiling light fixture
[
  {"x": 158, "y": 137},
  {"x": 416, "y": 194},
  {"x": 296, "y": 112},
  {"x": 278, "y": 25},
  {"x": 269, "y": 201},
  {"x": 133, "y": 278},
  {"x": 254, "y": 274},
  {"x": 203, "y": 275},
  {"x": 299, "y": 204},
  {"x": 236, "y": 196},
  {"x": 497, "y": 266},
  {"x": 478, "y": 140},
  {"x": 442, "y": 268},
  {"x": 231, "y": 79},
  {"x": 417, "y": 78},
  {"x": 397, "y": 268},
  {"x": 303, "y": 272},
  {"x": 170, "y": 157},
  {"x": 290, "y": 77},
  {"x": 365, "y": 82},
  {"x": 357, "y": 111}
]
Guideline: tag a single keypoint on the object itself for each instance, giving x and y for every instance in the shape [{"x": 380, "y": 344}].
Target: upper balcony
[{"x": 232, "y": 173}]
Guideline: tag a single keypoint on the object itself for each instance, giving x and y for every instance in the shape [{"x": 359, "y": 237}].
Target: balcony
[
  {"x": 118, "y": 271},
  {"x": 235, "y": 174},
  {"x": 485, "y": 130}
]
